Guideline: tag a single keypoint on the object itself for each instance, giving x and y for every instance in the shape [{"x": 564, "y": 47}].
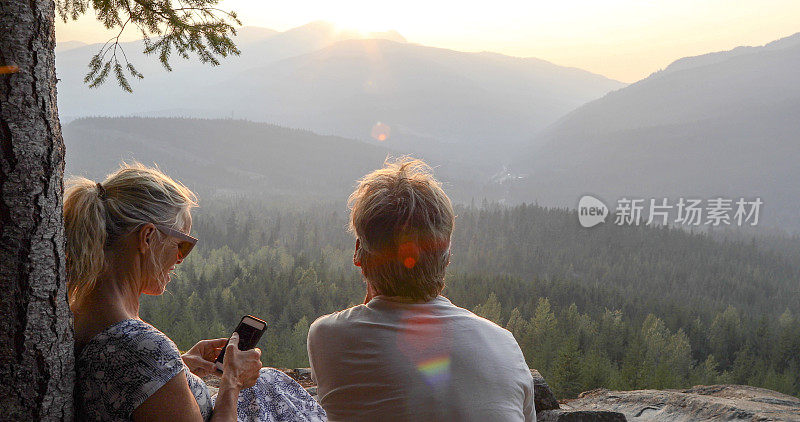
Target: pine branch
[{"x": 193, "y": 27}]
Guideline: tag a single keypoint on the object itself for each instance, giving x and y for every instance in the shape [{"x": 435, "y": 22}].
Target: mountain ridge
[
  {"x": 719, "y": 56},
  {"x": 727, "y": 127},
  {"x": 437, "y": 102}
]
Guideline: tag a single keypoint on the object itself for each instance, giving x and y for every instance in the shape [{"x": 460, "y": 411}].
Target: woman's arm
[
  {"x": 240, "y": 369},
  {"x": 174, "y": 401}
]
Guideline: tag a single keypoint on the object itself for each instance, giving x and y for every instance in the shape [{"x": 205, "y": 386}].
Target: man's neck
[
  {"x": 400, "y": 299},
  {"x": 371, "y": 292}
]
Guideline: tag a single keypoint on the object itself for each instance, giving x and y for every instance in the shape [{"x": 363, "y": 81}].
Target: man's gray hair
[{"x": 403, "y": 220}]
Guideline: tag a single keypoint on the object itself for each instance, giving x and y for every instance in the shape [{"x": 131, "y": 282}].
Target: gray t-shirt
[{"x": 392, "y": 361}]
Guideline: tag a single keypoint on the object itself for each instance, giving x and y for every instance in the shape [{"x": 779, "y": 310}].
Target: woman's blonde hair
[
  {"x": 96, "y": 215},
  {"x": 403, "y": 220}
]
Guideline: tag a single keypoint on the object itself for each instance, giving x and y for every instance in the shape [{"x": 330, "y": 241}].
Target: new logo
[{"x": 591, "y": 211}]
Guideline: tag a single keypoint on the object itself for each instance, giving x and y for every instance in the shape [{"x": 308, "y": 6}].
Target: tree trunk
[{"x": 36, "y": 340}]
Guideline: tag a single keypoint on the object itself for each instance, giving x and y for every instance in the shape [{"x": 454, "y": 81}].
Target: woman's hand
[
  {"x": 200, "y": 358},
  {"x": 240, "y": 368}
]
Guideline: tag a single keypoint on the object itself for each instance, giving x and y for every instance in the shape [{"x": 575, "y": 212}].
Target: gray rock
[
  {"x": 543, "y": 397},
  {"x": 701, "y": 403},
  {"x": 303, "y": 372},
  {"x": 561, "y": 415},
  {"x": 299, "y": 374}
]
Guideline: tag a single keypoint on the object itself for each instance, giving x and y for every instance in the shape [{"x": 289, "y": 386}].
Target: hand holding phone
[
  {"x": 249, "y": 330},
  {"x": 200, "y": 358}
]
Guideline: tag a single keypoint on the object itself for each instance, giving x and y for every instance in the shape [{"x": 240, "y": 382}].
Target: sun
[
  {"x": 364, "y": 16},
  {"x": 362, "y": 24}
]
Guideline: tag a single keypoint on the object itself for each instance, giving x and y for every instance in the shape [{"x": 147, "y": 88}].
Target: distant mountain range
[
  {"x": 471, "y": 107},
  {"x": 154, "y": 94},
  {"x": 723, "y": 124}
]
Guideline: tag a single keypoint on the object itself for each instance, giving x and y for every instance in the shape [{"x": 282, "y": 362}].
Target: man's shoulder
[
  {"x": 338, "y": 319},
  {"x": 475, "y": 320}
]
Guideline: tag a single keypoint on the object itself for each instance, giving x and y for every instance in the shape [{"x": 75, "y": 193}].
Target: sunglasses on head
[{"x": 186, "y": 242}]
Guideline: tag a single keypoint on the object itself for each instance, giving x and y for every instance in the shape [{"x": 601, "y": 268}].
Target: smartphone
[{"x": 250, "y": 330}]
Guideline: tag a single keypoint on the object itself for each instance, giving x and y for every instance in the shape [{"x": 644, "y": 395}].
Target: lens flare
[
  {"x": 435, "y": 371},
  {"x": 425, "y": 342},
  {"x": 8, "y": 69},
  {"x": 381, "y": 131},
  {"x": 408, "y": 254}
]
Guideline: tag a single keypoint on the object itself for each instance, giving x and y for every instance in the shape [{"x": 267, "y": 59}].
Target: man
[{"x": 408, "y": 353}]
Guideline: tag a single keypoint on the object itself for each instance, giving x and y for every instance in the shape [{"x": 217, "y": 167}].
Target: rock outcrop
[
  {"x": 562, "y": 415},
  {"x": 543, "y": 397},
  {"x": 548, "y": 409},
  {"x": 700, "y": 403}
]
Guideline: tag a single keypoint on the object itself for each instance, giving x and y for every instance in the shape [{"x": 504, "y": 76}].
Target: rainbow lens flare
[{"x": 436, "y": 371}]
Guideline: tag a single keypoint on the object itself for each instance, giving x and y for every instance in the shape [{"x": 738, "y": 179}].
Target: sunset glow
[{"x": 622, "y": 39}]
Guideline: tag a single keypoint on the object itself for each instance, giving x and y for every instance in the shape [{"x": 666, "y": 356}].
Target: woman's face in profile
[{"x": 166, "y": 255}]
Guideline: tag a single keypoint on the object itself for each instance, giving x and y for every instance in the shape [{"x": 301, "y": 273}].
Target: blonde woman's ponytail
[
  {"x": 85, "y": 230},
  {"x": 97, "y": 215}
]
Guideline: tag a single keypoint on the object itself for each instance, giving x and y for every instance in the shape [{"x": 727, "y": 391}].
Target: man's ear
[
  {"x": 144, "y": 238},
  {"x": 356, "y": 259}
]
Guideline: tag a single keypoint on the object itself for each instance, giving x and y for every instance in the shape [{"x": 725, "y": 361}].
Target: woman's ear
[
  {"x": 145, "y": 235},
  {"x": 356, "y": 259}
]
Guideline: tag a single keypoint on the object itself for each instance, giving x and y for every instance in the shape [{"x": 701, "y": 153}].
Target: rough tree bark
[{"x": 36, "y": 341}]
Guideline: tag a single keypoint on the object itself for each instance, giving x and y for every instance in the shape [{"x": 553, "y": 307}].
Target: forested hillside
[
  {"x": 612, "y": 306},
  {"x": 243, "y": 157},
  {"x": 264, "y": 159}
]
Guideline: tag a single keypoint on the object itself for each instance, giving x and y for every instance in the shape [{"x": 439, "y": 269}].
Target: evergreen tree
[
  {"x": 598, "y": 370},
  {"x": 707, "y": 373},
  {"x": 517, "y": 325},
  {"x": 565, "y": 377},
  {"x": 544, "y": 335},
  {"x": 490, "y": 309},
  {"x": 299, "y": 357},
  {"x": 725, "y": 336}
]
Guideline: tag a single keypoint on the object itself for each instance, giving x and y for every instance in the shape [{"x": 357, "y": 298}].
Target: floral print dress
[{"x": 130, "y": 360}]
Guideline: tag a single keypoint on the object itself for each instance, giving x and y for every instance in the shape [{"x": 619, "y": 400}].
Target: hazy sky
[{"x": 622, "y": 39}]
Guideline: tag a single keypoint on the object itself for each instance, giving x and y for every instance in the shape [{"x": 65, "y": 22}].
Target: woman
[{"x": 124, "y": 237}]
